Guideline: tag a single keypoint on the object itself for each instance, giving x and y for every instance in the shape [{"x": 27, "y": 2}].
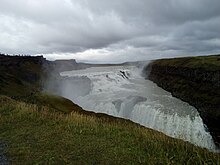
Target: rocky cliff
[
  {"x": 21, "y": 75},
  {"x": 195, "y": 80}
]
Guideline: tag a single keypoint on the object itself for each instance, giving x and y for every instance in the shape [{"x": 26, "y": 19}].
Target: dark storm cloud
[{"x": 116, "y": 30}]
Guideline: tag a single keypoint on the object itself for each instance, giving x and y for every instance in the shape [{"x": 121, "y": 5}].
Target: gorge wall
[{"x": 195, "y": 80}]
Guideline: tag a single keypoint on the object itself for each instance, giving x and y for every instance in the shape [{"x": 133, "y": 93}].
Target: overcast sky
[{"x": 110, "y": 30}]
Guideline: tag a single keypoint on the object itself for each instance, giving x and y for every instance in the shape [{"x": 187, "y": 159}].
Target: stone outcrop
[{"x": 193, "y": 81}]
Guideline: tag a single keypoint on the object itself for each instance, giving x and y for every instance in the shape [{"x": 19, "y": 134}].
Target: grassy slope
[
  {"x": 203, "y": 89},
  {"x": 203, "y": 92},
  {"x": 209, "y": 63},
  {"x": 56, "y": 103},
  {"x": 20, "y": 79},
  {"x": 43, "y": 137}
]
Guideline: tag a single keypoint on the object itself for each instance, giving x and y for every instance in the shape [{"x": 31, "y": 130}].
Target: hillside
[
  {"x": 21, "y": 75},
  {"x": 34, "y": 135},
  {"x": 195, "y": 80}
]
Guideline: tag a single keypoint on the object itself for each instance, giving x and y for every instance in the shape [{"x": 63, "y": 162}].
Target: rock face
[
  {"x": 195, "y": 80},
  {"x": 22, "y": 75},
  {"x": 3, "y": 159}
]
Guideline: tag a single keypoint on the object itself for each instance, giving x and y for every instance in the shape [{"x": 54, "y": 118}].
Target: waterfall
[{"x": 122, "y": 92}]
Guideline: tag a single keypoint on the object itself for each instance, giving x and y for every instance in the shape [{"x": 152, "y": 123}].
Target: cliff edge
[{"x": 195, "y": 80}]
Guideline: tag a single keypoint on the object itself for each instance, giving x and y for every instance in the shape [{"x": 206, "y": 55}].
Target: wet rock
[{"x": 3, "y": 159}]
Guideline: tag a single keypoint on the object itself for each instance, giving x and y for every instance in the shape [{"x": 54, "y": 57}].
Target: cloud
[{"x": 116, "y": 30}]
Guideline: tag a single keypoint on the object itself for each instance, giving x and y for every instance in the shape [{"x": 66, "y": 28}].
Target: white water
[{"x": 122, "y": 92}]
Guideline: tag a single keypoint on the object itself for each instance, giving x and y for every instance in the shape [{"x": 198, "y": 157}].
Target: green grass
[
  {"x": 13, "y": 81},
  {"x": 209, "y": 63},
  {"x": 34, "y": 135},
  {"x": 57, "y": 103}
]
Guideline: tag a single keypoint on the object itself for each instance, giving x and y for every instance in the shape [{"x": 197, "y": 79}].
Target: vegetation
[
  {"x": 56, "y": 103},
  {"x": 209, "y": 63},
  {"x": 21, "y": 75},
  {"x": 34, "y": 135},
  {"x": 187, "y": 74}
]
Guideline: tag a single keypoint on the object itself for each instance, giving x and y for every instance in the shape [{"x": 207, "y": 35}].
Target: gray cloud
[{"x": 115, "y": 31}]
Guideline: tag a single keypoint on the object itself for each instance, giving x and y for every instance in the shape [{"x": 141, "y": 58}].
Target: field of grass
[
  {"x": 209, "y": 63},
  {"x": 35, "y": 135}
]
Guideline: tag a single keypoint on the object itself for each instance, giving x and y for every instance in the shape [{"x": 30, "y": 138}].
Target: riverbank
[{"x": 195, "y": 80}]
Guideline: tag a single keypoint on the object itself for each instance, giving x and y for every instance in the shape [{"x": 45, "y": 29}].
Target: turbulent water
[{"x": 122, "y": 91}]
